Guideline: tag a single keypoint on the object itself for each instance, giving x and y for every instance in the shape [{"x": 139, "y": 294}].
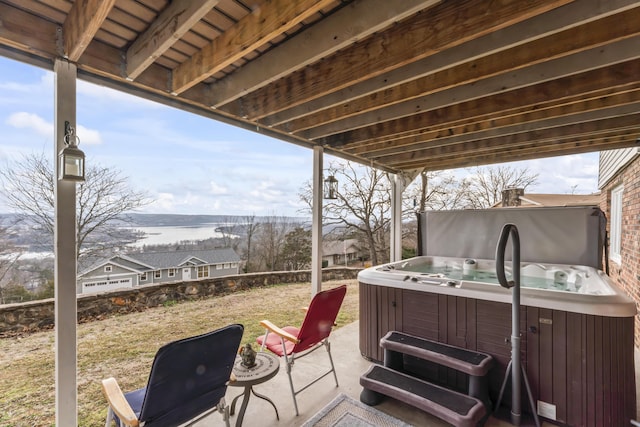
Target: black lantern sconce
[
  {"x": 71, "y": 158},
  {"x": 331, "y": 188}
]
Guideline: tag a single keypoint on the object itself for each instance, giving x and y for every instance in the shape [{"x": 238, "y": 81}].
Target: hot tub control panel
[{"x": 434, "y": 279}]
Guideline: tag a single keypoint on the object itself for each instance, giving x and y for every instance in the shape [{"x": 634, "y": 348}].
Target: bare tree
[
  {"x": 435, "y": 190},
  {"x": 250, "y": 230},
  {"x": 363, "y": 205},
  {"x": 483, "y": 189},
  {"x": 229, "y": 230},
  {"x": 28, "y": 188},
  {"x": 270, "y": 242},
  {"x": 9, "y": 256}
]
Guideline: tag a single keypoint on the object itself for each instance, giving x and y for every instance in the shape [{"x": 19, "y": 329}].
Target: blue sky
[{"x": 189, "y": 164}]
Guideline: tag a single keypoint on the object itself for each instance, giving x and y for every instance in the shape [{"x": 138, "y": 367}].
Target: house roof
[
  {"x": 147, "y": 261},
  {"x": 399, "y": 85},
  {"x": 545, "y": 200},
  {"x": 177, "y": 259},
  {"x": 333, "y": 247}
]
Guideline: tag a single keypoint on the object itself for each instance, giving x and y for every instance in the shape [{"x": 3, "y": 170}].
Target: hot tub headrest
[{"x": 558, "y": 235}]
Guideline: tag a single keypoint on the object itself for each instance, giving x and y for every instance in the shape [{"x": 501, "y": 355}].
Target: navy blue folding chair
[{"x": 188, "y": 380}]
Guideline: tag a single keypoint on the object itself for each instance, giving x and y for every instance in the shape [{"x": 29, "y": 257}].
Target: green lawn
[{"x": 123, "y": 347}]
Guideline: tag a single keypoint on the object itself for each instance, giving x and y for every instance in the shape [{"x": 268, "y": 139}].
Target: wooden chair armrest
[
  {"x": 278, "y": 331},
  {"x": 118, "y": 402}
]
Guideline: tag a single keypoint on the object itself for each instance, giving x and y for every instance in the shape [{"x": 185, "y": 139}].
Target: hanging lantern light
[
  {"x": 331, "y": 188},
  {"x": 71, "y": 158}
]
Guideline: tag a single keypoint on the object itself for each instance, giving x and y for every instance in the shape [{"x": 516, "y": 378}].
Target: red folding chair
[{"x": 294, "y": 343}]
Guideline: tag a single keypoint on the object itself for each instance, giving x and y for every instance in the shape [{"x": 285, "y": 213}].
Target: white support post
[
  {"x": 316, "y": 221},
  {"x": 65, "y": 254},
  {"x": 397, "y": 187}
]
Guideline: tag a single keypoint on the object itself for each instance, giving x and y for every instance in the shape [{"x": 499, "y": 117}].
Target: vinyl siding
[{"x": 611, "y": 161}]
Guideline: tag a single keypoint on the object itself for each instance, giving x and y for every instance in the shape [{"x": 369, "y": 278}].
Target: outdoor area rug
[{"x": 344, "y": 411}]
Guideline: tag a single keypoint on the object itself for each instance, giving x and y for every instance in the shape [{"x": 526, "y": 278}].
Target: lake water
[
  {"x": 156, "y": 236},
  {"x": 173, "y": 234}
]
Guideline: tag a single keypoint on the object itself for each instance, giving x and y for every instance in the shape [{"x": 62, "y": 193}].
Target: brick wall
[
  {"x": 627, "y": 273},
  {"x": 39, "y": 315}
]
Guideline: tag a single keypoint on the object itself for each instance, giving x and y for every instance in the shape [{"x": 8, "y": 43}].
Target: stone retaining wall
[{"x": 16, "y": 319}]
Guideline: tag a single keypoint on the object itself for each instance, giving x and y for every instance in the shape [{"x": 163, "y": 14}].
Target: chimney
[{"x": 511, "y": 196}]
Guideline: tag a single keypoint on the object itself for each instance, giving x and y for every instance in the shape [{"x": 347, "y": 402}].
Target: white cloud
[
  {"x": 217, "y": 189},
  {"x": 88, "y": 136},
  {"x": 31, "y": 121},
  {"x": 23, "y": 120},
  {"x": 108, "y": 95},
  {"x": 45, "y": 85},
  {"x": 267, "y": 192},
  {"x": 164, "y": 202}
]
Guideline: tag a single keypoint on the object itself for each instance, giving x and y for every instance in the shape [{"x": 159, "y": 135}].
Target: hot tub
[
  {"x": 571, "y": 288},
  {"x": 576, "y": 328}
]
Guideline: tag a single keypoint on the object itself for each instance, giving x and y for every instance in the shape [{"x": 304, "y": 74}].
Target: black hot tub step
[
  {"x": 464, "y": 360},
  {"x": 448, "y": 405}
]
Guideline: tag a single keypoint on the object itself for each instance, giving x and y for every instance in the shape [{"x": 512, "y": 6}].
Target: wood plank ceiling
[{"x": 400, "y": 85}]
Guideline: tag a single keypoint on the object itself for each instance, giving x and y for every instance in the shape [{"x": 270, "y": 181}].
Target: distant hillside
[
  {"x": 174, "y": 220},
  {"x": 177, "y": 220}
]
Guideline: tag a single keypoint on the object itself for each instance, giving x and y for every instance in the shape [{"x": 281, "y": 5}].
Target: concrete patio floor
[{"x": 349, "y": 366}]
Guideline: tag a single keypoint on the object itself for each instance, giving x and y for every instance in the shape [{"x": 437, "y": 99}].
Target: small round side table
[{"x": 266, "y": 367}]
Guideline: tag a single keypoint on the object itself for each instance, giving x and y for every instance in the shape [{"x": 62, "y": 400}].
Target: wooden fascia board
[
  {"x": 101, "y": 65},
  {"x": 263, "y": 24},
  {"x": 620, "y": 51},
  {"x": 604, "y": 81},
  {"x": 554, "y": 21},
  {"x": 588, "y": 36},
  {"x": 172, "y": 23},
  {"x": 83, "y": 22},
  {"x": 446, "y": 25},
  {"x": 534, "y": 151},
  {"x": 354, "y": 22},
  {"x": 508, "y": 123}
]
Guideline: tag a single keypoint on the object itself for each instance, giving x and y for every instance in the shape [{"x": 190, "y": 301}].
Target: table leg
[
  {"x": 233, "y": 403},
  {"x": 243, "y": 406},
  {"x": 268, "y": 400}
]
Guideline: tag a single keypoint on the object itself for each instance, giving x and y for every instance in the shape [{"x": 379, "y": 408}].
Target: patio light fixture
[
  {"x": 331, "y": 188},
  {"x": 71, "y": 158}
]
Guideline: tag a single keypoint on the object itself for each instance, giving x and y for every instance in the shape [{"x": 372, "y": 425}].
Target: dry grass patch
[{"x": 124, "y": 346}]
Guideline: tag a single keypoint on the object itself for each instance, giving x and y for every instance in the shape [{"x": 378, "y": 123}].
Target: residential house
[
  {"x": 340, "y": 252},
  {"x": 515, "y": 197},
  {"x": 619, "y": 183},
  {"x": 136, "y": 269}
]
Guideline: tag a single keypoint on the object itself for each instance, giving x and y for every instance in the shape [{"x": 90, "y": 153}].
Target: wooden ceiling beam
[
  {"x": 505, "y": 141},
  {"x": 353, "y": 22},
  {"x": 627, "y": 138},
  {"x": 83, "y": 22},
  {"x": 564, "y": 43},
  {"x": 164, "y": 31},
  {"x": 613, "y": 78},
  {"x": 554, "y": 21},
  {"x": 262, "y": 25},
  {"x": 486, "y": 141},
  {"x": 471, "y": 129},
  {"x": 444, "y": 26},
  {"x": 27, "y": 33},
  {"x": 616, "y": 52}
]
